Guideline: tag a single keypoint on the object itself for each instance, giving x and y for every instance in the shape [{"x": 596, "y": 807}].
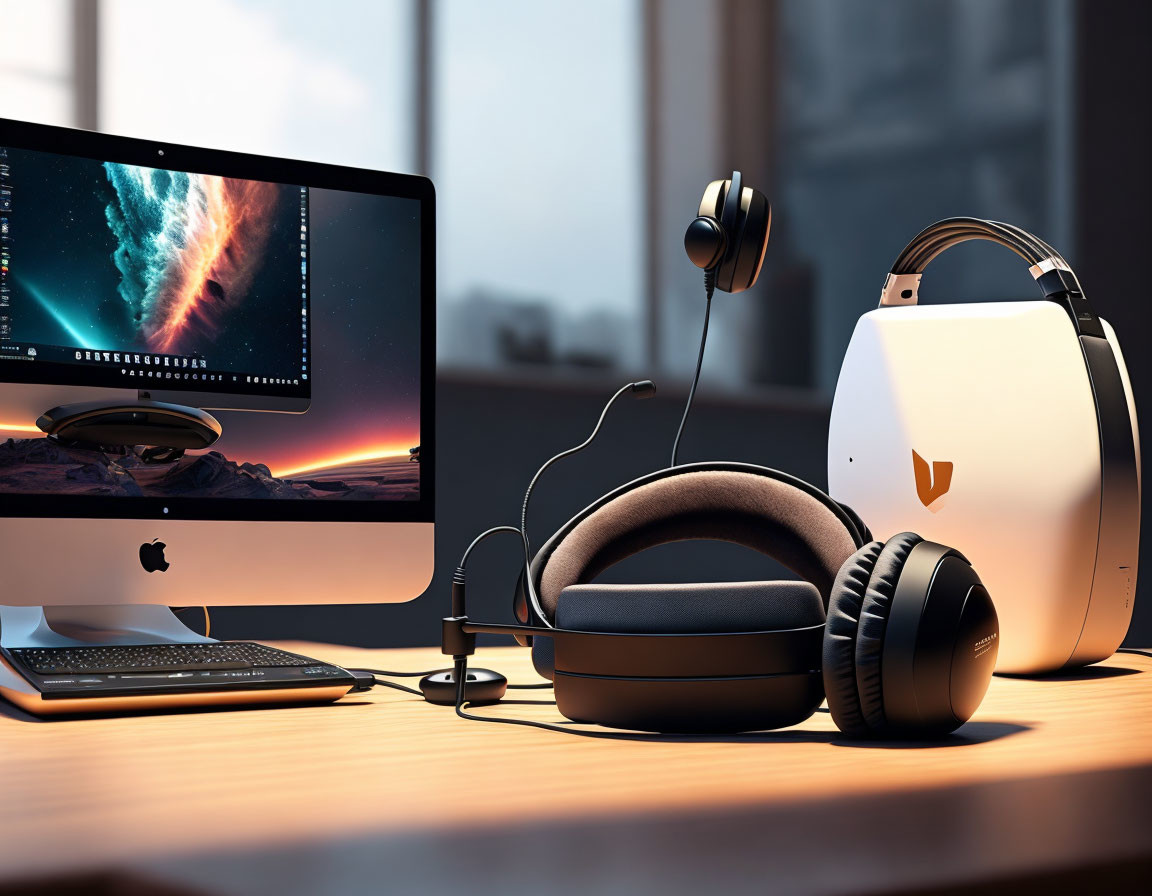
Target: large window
[
  {"x": 38, "y": 61},
  {"x": 570, "y": 142},
  {"x": 896, "y": 113},
  {"x": 296, "y": 78},
  {"x": 537, "y": 136}
]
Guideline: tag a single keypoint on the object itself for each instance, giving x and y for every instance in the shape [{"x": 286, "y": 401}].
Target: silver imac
[{"x": 216, "y": 375}]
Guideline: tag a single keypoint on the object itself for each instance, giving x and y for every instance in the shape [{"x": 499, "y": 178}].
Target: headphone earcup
[
  {"x": 911, "y": 640},
  {"x": 839, "y": 659},
  {"x": 858, "y": 612},
  {"x": 748, "y": 241},
  {"x": 874, "y": 613}
]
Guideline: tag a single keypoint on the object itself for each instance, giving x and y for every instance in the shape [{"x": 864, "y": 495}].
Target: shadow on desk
[
  {"x": 1087, "y": 673},
  {"x": 970, "y": 734},
  {"x": 101, "y": 884},
  {"x": 1121, "y": 876}
]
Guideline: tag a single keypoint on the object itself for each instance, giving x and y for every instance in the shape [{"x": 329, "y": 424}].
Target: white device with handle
[{"x": 1009, "y": 430}]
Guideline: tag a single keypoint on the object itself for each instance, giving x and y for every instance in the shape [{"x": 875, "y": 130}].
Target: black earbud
[
  {"x": 730, "y": 233},
  {"x": 705, "y": 243}
]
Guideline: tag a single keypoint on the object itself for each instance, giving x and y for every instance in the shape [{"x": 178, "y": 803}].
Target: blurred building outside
[{"x": 566, "y": 167}]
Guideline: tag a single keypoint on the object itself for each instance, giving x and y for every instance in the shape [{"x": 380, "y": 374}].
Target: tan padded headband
[{"x": 765, "y": 514}]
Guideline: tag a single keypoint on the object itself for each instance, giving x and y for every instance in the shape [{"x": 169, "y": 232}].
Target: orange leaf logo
[{"x": 931, "y": 484}]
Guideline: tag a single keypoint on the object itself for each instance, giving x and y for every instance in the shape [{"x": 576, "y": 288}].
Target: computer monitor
[{"x": 291, "y": 302}]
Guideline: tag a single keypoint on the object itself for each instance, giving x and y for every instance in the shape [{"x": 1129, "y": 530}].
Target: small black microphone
[{"x": 643, "y": 389}]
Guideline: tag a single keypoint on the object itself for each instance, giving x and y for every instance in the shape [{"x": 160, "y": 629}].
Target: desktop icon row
[{"x": 149, "y": 360}]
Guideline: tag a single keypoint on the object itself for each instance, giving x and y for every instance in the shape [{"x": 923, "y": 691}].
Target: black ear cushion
[
  {"x": 873, "y": 621},
  {"x": 681, "y": 609},
  {"x": 755, "y": 224},
  {"x": 697, "y": 608},
  {"x": 747, "y": 243},
  {"x": 839, "y": 661}
]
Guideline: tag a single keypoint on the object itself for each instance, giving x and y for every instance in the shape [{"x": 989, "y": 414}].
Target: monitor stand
[
  {"x": 94, "y": 625},
  {"x": 155, "y": 424},
  {"x": 87, "y": 626}
]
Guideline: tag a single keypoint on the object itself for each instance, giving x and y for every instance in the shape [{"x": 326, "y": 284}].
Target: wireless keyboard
[
  {"x": 75, "y": 674},
  {"x": 155, "y": 658}
]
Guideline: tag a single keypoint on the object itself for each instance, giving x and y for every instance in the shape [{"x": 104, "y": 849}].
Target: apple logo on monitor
[{"x": 152, "y": 556}]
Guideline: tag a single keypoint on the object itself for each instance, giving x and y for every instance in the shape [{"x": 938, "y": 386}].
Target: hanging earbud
[
  {"x": 727, "y": 240},
  {"x": 728, "y": 237},
  {"x": 705, "y": 243}
]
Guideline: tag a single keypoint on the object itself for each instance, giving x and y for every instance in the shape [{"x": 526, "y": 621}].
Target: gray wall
[{"x": 492, "y": 436}]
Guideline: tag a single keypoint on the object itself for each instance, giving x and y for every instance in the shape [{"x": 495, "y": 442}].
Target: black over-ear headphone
[{"x": 900, "y": 636}]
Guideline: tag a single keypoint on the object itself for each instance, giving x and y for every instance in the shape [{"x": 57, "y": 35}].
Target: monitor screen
[
  {"x": 244, "y": 285},
  {"x": 126, "y": 275}
]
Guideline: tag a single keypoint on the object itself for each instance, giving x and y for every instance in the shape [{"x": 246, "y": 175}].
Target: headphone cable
[
  {"x": 630, "y": 387},
  {"x": 381, "y": 683},
  {"x": 458, "y": 580},
  {"x": 709, "y": 288},
  {"x": 461, "y": 673}
]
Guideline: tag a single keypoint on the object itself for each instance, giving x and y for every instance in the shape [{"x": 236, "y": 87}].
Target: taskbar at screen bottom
[{"x": 54, "y": 365}]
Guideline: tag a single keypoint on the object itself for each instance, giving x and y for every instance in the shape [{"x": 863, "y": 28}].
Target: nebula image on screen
[
  {"x": 262, "y": 282},
  {"x": 113, "y": 257},
  {"x": 189, "y": 247}
]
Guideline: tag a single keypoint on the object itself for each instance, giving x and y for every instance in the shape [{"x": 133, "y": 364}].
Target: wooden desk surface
[{"x": 1051, "y": 775}]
